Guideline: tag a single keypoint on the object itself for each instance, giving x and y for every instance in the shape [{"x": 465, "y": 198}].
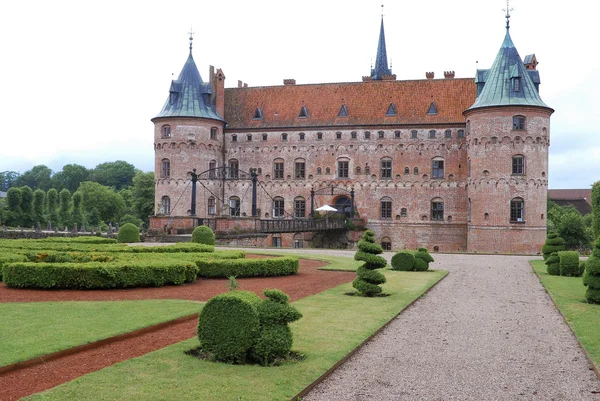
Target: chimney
[
  {"x": 429, "y": 75},
  {"x": 245, "y": 85},
  {"x": 289, "y": 81},
  {"x": 240, "y": 84},
  {"x": 448, "y": 74}
]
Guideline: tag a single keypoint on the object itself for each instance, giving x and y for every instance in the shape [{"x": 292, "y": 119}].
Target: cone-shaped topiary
[
  {"x": 591, "y": 276},
  {"x": 553, "y": 243},
  {"x": 203, "y": 235},
  {"x": 553, "y": 263},
  {"x": 128, "y": 233},
  {"x": 368, "y": 280}
]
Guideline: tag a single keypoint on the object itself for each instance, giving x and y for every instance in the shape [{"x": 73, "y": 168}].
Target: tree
[
  {"x": 143, "y": 195},
  {"x": 38, "y": 205},
  {"x": 118, "y": 174},
  {"x": 596, "y": 209},
  {"x": 51, "y": 211},
  {"x": 570, "y": 225},
  {"x": 64, "y": 212},
  {"x": 70, "y": 177},
  {"x": 77, "y": 216},
  {"x": 39, "y": 176},
  {"x": 27, "y": 206},
  {"x": 7, "y": 179},
  {"x": 108, "y": 204},
  {"x": 13, "y": 200}
]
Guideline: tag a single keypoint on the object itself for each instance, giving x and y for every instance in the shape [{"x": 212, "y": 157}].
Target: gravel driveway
[{"x": 488, "y": 331}]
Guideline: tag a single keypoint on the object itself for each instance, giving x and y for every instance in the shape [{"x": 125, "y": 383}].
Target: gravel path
[{"x": 487, "y": 331}]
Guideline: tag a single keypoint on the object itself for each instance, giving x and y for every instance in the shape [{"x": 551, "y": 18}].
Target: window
[
  {"x": 518, "y": 123},
  {"x": 437, "y": 209},
  {"x": 358, "y": 170},
  {"x": 233, "y": 138},
  {"x": 468, "y": 167},
  {"x": 461, "y": 133},
  {"x": 391, "y": 111},
  {"x": 338, "y": 135},
  {"x": 468, "y": 127},
  {"x": 299, "y": 170},
  {"x": 432, "y": 134},
  {"x": 319, "y": 170},
  {"x": 249, "y": 137},
  {"x": 258, "y": 115},
  {"x": 264, "y": 137},
  {"x": 385, "y": 208},
  {"x": 406, "y": 170},
  {"x": 276, "y": 242},
  {"x": 381, "y": 134},
  {"x": 165, "y": 170},
  {"x": 386, "y": 244},
  {"x": 301, "y": 136},
  {"x": 403, "y": 212},
  {"x": 343, "y": 169},
  {"x": 234, "y": 168},
  {"x": 517, "y": 210},
  {"x": 367, "y": 170},
  {"x": 415, "y": 170},
  {"x": 437, "y": 168},
  {"x": 166, "y": 131},
  {"x": 516, "y": 84},
  {"x": 212, "y": 206},
  {"x": 518, "y": 164},
  {"x": 353, "y": 135},
  {"x": 278, "y": 210},
  {"x": 299, "y": 208},
  {"x": 303, "y": 112},
  {"x": 234, "y": 206},
  {"x": 432, "y": 108},
  {"x": 367, "y": 135},
  {"x": 397, "y": 134},
  {"x": 165, "y": 205},
  {"x": 212, "y": 173},
  {"x": 386, "y": 168},
  {"x": 413, "y": 134},
  {"x": 319, "y": 136},
  {"x": 278, "y": 169},
  {"x": 343, "y": 111},
  {"x": 448, "y": 133},
  {"x": 284, "y": 137},
  {"x": 298, "y": 243},
  {"x": 213, "y": 132}
]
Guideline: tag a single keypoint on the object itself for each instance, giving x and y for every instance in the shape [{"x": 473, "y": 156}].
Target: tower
[
  {"x": 508, "y": 130},
  {"x": 188, "y": 134}
]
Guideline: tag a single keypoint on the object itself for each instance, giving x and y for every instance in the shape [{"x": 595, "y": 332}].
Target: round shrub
[
  {"x": 367, "y": 280},
  {"x": 569, "y": 263},
  {"x": 422, "y": 260},
  {"x": 591, "y": 276},
  {"x": 425, "y": 255},
  {"x": 229, "y": 325},
  {"x": 553, "y": 263},
  {"x": 420, "y": 265},
  {"x": 403, "y": 260},
  {"x": 129, "y": 233},
  {"x": 553, "y": 243},
  {"x": 203, "y": 235}
]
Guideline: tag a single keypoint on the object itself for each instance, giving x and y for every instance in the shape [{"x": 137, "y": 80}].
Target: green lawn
[
  {"x": 569, "y": 295},
  {"x": 32, "y": 329},
  {"x": 332, "y": 326}
]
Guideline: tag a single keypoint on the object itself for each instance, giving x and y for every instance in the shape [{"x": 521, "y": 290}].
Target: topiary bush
[
  {"x": 422, "y": 260},
  {"x": 403, "y": 260},
  {"x": 569, "y": 263},
  {"x": 553, "y": 243},
  {"x": 553, "y": 263},
  {"x": 591, "y": 276},
  {"x": 203, "y": 235},
  {"x": 581, "y": 267},
  {"x": 129, "y": 233},
  {"x": 368, "y": 280},
  {"x": 223, "y": 268}
]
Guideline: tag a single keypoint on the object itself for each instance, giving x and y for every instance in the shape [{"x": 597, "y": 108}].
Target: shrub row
[
  {"x": 181, "y": 247},
  {"x": 411, "y": 260},
  {"x": 10, "y": 258},
  {"x": 591, "y": 277},
  {"x": 34, "y": 245},
  {"x": 95, "y": 275},
  {"x": 80, "y": 240},
  {"x": 281, "y": 266}
]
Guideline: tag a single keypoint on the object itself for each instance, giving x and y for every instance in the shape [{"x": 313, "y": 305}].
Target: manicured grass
[
  {"x": 569, "y": 295},
  {"x": 332, "y": 326},
  {"x": 32, "y": 329}
]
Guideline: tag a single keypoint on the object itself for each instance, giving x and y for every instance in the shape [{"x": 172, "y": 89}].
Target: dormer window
[
  {"x": 172, "y": 97},
  {"x": 432, "y": 109},
  {"x": 258, "y": 115},
  {"x": 303, "y": 112},
  {"x": 516, "y": 84},
  {"x": 343, "y": 111},
  {"x": 391, "y": 111}
]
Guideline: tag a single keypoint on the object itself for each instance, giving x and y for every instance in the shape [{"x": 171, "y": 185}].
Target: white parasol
[{"x": 326, "y": 208}]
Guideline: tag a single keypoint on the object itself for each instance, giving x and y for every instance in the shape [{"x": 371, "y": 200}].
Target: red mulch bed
[{"x": 31, "y": 380}]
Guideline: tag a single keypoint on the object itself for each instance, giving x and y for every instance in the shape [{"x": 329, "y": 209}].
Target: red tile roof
[
  {"x": 367, "y": 103},
  {"x": 571, "y": 194}
]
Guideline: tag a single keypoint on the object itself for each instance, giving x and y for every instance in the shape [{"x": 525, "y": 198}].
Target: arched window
[
  {"x": 301, "y": 136},
  {"x": 234, "y": 206},
  {"x": 212, "y": 206},
  {"x": 234, "y": 168},
  {"x": 165, "y": 168},
  {"x": 165, "y": 131},
  {"x": 367, "y": 134},
  {"x": 319, "y": 170},
  {"x": 299, "y": 169},
  {"x": 358, "y": 170},
  {"x": 278, "y": 169},
  {"x": 416, "y": 171},
  {"x": 517, "y": 210},
  {"x": 338, "y": 135},
  {"x": 386, "y": 244},
  {"x": 278, "y": 208},
  {"x": 406, "y": 170},
  {"x": 403, "y": 212},
  {"x": 448, "y": 133},
  {"x": 299, "y": 207},
  {"x": 437, "y": 167},
  {"x": 212, "y": 172},
  {"x": 432, "y": 134},
  {"x": 367, "y": 170},
  {"x": 386, "y": 168},
  {"x": 518, "y": 165},
  {"x": 413, "y": 134},
  {"x": 327, "y": 170},
  {"x": 385, "y": 207},
  {"x": 165, "y": 205},
  {"x": 519, "y": 123},
  {"x": 437, "y": 209},
  {"x": 353, "y": 135}
]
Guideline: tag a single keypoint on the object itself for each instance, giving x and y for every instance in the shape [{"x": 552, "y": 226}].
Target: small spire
[
  {"x": 382, "y": 11},
  {"x": 191, "y": 32},
  {"x": 507, "y": 16}
]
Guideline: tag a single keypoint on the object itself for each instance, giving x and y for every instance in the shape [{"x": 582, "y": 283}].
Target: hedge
[
  {"x": 591, "y": 277},
  {"x": 10, "y": 258},
  {"x": 569, "y": 263},
  {"x": 281, "y": 266},
  {"x": 80, "y": 240},
  {"x": 95, "y": 275},
  {"x": 181, "y": 247}
]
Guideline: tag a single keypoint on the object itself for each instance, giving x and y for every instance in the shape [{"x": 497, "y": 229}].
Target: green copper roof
[
  {"x": 497, "y": 86},
  {"x": 189, "y": 96}
]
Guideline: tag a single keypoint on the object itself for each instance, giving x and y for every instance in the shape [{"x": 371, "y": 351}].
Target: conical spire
[
  {"x": 189, "y": 96},
  {"x": 381, "y": 64}
]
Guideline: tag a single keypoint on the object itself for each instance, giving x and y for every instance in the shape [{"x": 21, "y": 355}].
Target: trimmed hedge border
[
  {"x": 95, "y": 275},
  {"x": 79, "y": 240},
  {"x": 223, "y": 268},
  {"x": 30, "y": 245}
]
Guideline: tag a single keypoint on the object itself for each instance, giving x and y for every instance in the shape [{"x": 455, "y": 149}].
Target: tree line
[{"x": 112, "y": 192}]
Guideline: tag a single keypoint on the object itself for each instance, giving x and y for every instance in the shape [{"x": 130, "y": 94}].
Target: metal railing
[{"x": 298, "y": 225}]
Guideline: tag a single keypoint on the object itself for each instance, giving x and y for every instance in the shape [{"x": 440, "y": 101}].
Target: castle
[{"x": 450, "y": 164}]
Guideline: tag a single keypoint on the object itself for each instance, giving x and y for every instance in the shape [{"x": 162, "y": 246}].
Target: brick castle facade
[{"x": 449, "y": 164}]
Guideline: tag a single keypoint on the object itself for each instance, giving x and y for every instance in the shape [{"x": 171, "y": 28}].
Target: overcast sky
[{"x": 80, "y": 80}]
